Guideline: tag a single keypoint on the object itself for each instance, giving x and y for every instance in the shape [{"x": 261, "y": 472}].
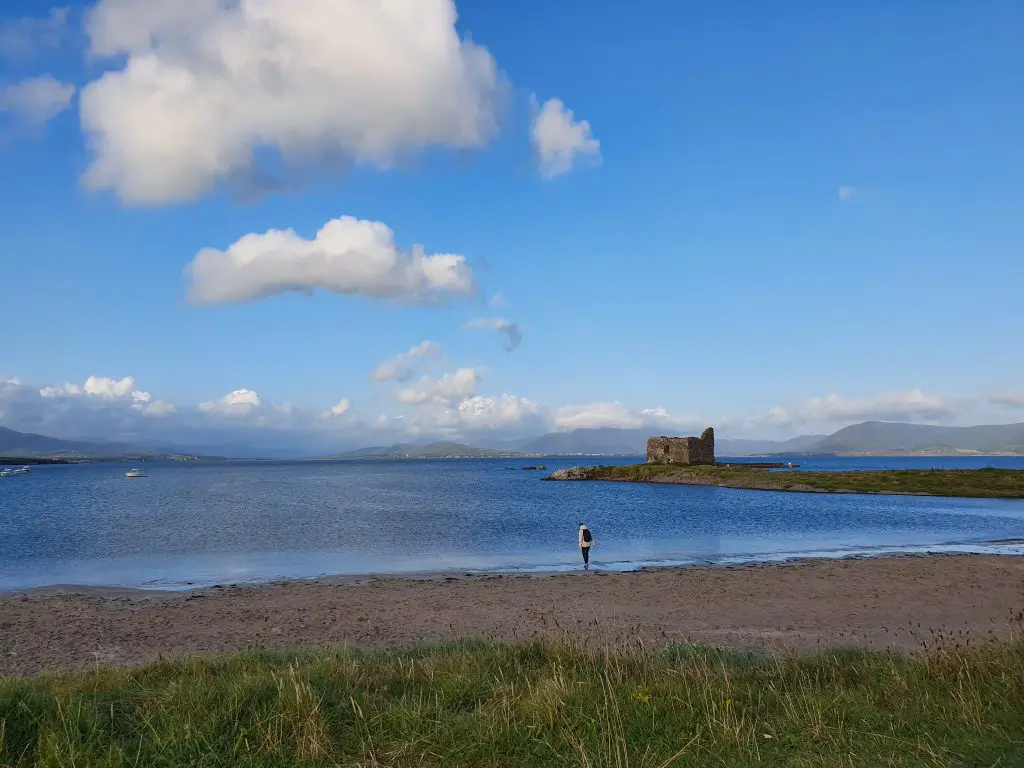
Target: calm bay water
[{"x": 198, "y": 524}]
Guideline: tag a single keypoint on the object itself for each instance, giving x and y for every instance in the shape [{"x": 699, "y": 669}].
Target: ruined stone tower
[{"x": 682, "y": 450}]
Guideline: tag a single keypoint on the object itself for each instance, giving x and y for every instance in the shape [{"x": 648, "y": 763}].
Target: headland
[
  {"x": 691, "y": 461},
  {"x": 970, "y": 483}
]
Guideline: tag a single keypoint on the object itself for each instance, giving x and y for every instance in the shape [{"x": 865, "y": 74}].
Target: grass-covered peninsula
[
  {"x": 484, "y": 704},
  {"x": 976, "y": 483}
]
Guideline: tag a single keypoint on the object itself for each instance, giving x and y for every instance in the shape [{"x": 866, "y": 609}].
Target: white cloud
[
  {"x": 25, "y": 37},
  {"x": 501, "y": 325},
  {"x": 912, "y": 405},
  {"x": 480, "y": 412},
  {"x": 206, "y": 85},
  {"x": 114, "y": 410},
  {"x": 497, "y": 301},
  {"x": 846, "y": 193},
  {"x": 615, "y": 415},
  {"x": 433, "y": 407},
  {"x": 159, "y": 408},
  {"x": 593, "y": 415},
  {"x": 348, "y": 255},
  {"x": 560, "y": 141},
  {"x": 119, "y": 394},
  {"x": 237, "y": 403},
  {"x": 661, "y": 416},
  {"x": 450, "y": 388},
  {"x": 101, "y": 386},
  {"x": 37, "y": 100},
  {"x": 462, "y": 419},
  {"x": 400, "y": 367},
  {"x": 1007, "y": 400}
]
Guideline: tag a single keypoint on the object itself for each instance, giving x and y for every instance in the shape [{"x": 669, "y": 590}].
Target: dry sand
[{"x": 876, "y": 603}]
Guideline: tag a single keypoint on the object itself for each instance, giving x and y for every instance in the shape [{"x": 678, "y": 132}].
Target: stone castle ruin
[{"x": 682, "y": 450}]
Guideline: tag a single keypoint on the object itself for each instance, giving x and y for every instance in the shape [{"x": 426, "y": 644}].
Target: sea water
[{"x": 194, "y": 524}]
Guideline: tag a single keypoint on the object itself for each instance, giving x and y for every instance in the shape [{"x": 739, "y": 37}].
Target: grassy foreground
[
  {"x": 531, "y": 705},
  {"x": 978, "y": 483}
]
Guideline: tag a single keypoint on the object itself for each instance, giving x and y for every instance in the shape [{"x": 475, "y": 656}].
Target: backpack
[{"x": 586, "y": 536}]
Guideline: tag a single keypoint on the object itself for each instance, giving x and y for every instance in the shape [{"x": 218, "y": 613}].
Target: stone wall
[{"x": 682, "y": 450}]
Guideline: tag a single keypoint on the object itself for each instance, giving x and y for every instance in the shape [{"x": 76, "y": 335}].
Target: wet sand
[{"x": 879, "y": 603}]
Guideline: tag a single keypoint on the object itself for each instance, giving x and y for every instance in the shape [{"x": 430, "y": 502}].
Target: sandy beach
[{"x": 875, "y": 603}]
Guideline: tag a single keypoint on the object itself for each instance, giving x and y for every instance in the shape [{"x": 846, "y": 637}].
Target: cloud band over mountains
[{"x": 448, "y": 406}]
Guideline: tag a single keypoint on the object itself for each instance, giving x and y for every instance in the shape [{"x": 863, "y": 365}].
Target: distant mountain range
[
  {"x": 428, "y": 451},
  {"x": 31, "y": 445},
  {"x": 740, "y": 447},
  {"x": 28, "y": 444},
  {"x": 868, "y": 437},
  {"x": 871, "y": 436},
  {"x": 885, "y": 436}
]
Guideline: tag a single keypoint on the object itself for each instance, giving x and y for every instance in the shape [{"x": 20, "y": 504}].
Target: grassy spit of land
[
  {"x": 979, "y": 483},
  {"x": 529, "y": 705}
]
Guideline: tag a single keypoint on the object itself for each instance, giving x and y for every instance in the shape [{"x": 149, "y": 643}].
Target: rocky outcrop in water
[{"x": 572, "y": 473}]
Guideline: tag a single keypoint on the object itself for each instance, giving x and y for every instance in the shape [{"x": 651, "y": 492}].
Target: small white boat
[
  {"x": 15, "y": 471},
  {"x": 134, "y": 473}
]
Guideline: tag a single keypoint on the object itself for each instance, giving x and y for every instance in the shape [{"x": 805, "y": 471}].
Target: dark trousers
[{"x": 586, "y": 555}]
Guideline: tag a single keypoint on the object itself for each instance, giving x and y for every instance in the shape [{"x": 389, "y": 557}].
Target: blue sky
[{"x": 799, "y": 216}]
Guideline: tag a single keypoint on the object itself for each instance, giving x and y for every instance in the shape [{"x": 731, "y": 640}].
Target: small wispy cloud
[
  {"x": 501, "y": 325},
  {"x": 560, "y": 141},
  {"x": 846, "y": 193},
  {"x": 497, "y": 300},
  {"x": 1007, "y": 400},
  {"x": 401, "y": 367},
  {"x": 37, "y": 100},
  {"x": 237, "y": 403},
  {"x": 28, "y": 37}
]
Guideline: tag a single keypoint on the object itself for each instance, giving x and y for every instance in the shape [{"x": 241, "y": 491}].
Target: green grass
[
  {"x": 529, "y": 705},
  {"x": 977, "y": 483}
]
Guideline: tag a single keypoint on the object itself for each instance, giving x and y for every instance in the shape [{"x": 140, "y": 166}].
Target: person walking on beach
[{"x": 586, "y": 542}]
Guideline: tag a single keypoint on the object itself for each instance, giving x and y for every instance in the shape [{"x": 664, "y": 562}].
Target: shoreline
[
  {"x": 885, "y": 602},
  {"x": 1012, "y": 547}
]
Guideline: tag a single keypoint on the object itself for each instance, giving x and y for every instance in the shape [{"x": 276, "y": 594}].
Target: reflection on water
[{"x": 195, "y": 524}]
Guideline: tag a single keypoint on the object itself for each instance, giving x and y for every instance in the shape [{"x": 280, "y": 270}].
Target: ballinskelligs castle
[{"x": 682, "y": 450}]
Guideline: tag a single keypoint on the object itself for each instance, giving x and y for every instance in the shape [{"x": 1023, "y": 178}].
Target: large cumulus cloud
[{"x": 206, "y": 86}]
